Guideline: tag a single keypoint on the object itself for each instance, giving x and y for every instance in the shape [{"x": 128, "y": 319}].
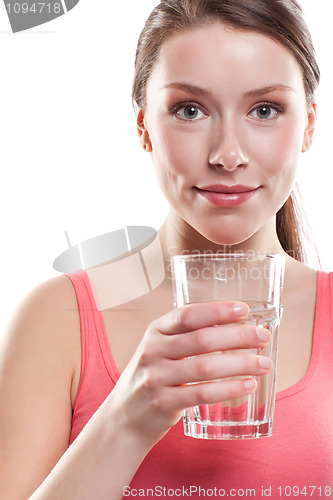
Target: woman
[{"x": 224, "y": 91}]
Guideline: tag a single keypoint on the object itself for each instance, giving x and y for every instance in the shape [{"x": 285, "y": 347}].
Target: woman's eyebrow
[
  {"x": 268, "y": 89},
  {"x": 193, "y": 89}
]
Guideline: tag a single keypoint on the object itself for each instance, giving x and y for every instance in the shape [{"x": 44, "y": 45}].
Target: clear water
[{"x": 250, "y": 416}]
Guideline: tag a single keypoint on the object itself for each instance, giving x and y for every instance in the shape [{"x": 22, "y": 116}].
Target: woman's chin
[{"x": 230, "y": 239}]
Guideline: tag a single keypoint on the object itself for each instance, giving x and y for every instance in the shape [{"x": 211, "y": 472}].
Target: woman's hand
[{"x": 186, "y": 347}]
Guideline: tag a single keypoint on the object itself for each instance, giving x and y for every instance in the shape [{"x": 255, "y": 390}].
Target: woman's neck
[{"x": 177, "y": 237}]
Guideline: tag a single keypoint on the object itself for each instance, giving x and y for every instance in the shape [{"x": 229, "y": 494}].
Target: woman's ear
[
  {"x": 143, "y": 132},
  {"x": 309, "y": 131}
]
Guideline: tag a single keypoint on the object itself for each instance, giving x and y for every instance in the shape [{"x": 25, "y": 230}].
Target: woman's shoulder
[
  {"x": 47, "y": 307},
  {"x": 299, "y": 275},
  {"x": 54, "y": 293},
  {"x": 45, "y": 321}
]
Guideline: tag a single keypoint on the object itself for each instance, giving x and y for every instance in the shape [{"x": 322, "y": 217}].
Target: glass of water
[{"x": 256, "y": 279}]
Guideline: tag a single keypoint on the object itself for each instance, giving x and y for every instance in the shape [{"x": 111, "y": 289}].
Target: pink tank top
[{"x": 297, "y": 458}]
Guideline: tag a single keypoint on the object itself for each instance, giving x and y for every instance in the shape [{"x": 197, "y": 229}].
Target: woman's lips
[{"x": 227, "y": 196}]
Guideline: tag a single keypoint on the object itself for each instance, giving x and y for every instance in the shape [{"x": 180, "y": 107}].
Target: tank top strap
[
  {"x": 98, "y": 374},
  {"x": 330, "y": 299},
  {"x": 324, "y": 304},
  {"x": 94, "y": 341},
  {"x": 86, "y": 313}
]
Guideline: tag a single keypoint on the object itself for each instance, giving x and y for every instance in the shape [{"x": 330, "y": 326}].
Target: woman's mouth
[{"x": 227, "y": 196}]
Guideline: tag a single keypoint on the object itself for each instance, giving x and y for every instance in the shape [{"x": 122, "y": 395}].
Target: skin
[
  {"x": 227, "y": 132},
  {"x": 40, "y": 355}
]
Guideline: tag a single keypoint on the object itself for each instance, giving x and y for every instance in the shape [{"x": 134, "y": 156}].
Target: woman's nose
[{"x": 227, "y": 151}]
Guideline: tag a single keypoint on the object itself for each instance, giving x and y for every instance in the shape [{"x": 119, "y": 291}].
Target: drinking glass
[{"x": 256, "y": 279}]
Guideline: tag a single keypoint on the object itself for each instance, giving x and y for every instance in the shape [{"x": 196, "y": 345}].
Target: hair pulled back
[{"x": 281, "y": 20}]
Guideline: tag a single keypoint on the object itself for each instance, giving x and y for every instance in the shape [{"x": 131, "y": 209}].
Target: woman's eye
[
  {"x": 265, "y": 112},
  {"x": 189, "y": 112}
]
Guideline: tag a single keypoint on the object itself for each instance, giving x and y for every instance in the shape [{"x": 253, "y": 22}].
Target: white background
[{"x": 70, "y": 157}]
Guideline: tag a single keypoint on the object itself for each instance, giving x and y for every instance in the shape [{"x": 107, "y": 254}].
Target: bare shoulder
[
  {"x": 39, "y": 359},
  {"x": 54, "y": 295},
  {"x": 46, "y": 319},
  {"x": 48, "y": 312},
  {"x": 300, "y": 291},
  {"x": 299, "y": 277}
]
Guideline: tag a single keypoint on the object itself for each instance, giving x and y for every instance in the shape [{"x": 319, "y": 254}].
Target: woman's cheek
[
  {"x": 280, "y": 152},
  {"x": 179, "y": 152}
]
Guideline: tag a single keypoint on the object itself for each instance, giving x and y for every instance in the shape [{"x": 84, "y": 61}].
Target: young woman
[{"x": 91, "y": 401}]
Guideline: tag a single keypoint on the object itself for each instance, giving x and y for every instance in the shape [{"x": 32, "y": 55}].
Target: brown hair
[{"x": 281, "y": 20}]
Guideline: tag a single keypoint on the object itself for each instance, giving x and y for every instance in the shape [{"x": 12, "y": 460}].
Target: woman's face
[{"x": 225, "y": 121}]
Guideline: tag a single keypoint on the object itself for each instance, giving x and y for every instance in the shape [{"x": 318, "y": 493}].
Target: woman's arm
[
  {"x": 39, "y": 360},
  {"x": 39, "y": 355},
  {"x": 36, "y": 370},
  {"x": 100, "y": 462}
]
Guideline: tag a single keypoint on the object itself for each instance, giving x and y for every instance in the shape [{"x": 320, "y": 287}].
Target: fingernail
[
  {"x": 263, "y": 334},
  {"x": 250, "y": 384},
  {"x": 265, "y": 363},
  {"x": 241, "y": 309}
]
